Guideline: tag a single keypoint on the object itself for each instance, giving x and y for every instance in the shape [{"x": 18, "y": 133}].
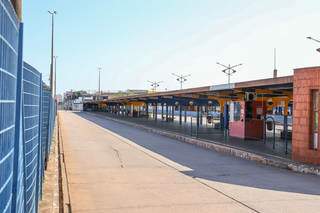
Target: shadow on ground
[{"x": 211, "y": 165}]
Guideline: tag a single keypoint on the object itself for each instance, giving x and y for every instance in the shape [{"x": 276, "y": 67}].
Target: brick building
[{"x": 305, "y": 141}]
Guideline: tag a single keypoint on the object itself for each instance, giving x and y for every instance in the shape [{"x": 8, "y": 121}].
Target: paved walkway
[{"x": 117, "y": 168}]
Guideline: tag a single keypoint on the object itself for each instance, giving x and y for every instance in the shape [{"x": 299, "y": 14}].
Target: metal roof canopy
[{"x": 270, "y": 87}]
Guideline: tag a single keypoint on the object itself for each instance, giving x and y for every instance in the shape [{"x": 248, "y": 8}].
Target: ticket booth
[{"x": 246, "y": 119}]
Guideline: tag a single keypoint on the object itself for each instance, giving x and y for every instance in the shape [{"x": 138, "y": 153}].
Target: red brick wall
[{"x": 304, "y": 80}]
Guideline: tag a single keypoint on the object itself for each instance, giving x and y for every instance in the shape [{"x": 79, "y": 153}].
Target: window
[
  {"x": 314, "y": 119},
  {"x": 237, "y": 111}
]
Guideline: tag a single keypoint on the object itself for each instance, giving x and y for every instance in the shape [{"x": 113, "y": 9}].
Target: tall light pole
[
  {"x": 316, "y": 40},
  {"x": 229, "y": 70},
  {"x": 55, "y": 76},
  {"x": 52, "y": 13},
  {"x": 99, "y": 86},
  {"x": 181, "y": 78},
  {"x": 155, "y": 85}
]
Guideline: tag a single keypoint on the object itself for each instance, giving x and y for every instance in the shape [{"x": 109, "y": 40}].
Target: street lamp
[
  {"x": 52, "y": 13},
  {"x": 181, "y": 78},
  {"x": 99, "y": 79},
  {"x": 316, "y": 40},
  {"x": 229, "y": 70},
  {"x": 155, "y": 85},
  {"x": 55, "y": 76}
]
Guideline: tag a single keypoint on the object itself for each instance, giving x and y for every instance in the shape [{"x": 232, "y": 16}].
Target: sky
[{"x": 136, "y": 41}]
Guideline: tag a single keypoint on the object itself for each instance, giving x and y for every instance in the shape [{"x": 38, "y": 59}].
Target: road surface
[{"x": 113, "y": 167}]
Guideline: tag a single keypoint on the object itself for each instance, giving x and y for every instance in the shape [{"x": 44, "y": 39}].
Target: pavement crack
[{"x": 118, "y": 156}]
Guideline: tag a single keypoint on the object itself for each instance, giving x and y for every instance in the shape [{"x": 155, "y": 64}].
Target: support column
[
  {"x": 198, "y": 120},
  {"x": 156, "y": 112},
  {"x": 201, "y": 115},
  {"x": 167, "y": 112},
  {"x": 221, "y": 103},
  {"x": 180, "y": 114},
  {"x": 185, "y": 113},
  {"x": 147, "y": 110},
  {"x": 161, "y": 111},
  {"x": 172, "y": 112},
  {"x": 285, "y": 126},
  {"x": 198, "y": 116}
]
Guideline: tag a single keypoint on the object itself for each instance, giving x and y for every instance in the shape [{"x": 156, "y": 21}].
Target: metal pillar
[
  {"x": 161, "y": 111},
  {"x": 156, "y": 112},
  {"x": 147, "y": 110},
  {"x": 131, "y": 109},
  {"x": 198, "y": 120},
  {"x": 185, "y": 114},
  {"x": 201, "y": 115},
  {"x": 172, "y": 113},
  {"x": 285, "y": 129},
  {"x": 167, "y": 112},
  {"x": 180, "y": 114}
]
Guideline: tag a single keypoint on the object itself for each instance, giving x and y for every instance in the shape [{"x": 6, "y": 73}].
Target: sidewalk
[{"x": 108, "y": 173}]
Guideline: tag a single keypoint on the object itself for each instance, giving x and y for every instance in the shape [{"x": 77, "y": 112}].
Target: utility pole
[
  {"x": 229, "y": 70},
  {"x": 99, "y": 86},
  {"x": 181, "y": 78},
  {"x": 55, "y": 75},
  {"x": 316, "y": 40},
  {"x": 155, "y": 85},
  {"x": 52, "y": 13}
]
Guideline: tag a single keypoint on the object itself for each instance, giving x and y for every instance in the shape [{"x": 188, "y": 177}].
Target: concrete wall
[{"x": 305, "y": 80}]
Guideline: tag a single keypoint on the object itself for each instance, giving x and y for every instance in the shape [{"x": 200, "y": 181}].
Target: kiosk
[{"x": 246, "y": 119}]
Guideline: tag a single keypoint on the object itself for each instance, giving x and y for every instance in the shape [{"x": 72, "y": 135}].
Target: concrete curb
[{"x": 274, "y": 161}]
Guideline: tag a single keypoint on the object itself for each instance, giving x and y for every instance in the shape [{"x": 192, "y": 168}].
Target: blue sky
[{"x": 139, "y": 40}]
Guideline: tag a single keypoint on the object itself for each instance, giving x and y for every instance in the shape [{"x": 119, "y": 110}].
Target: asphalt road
[{"x": 243, "y": 186}]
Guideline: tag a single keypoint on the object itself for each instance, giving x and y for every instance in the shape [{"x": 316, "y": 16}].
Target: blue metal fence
[
  {"x": 9, "y": 38},
  {"x": 31, "y": 113},
  {"x": 27, "y": 117}
]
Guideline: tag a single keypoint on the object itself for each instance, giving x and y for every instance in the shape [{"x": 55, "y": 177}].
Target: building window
[{"x": 314, "y": 119}]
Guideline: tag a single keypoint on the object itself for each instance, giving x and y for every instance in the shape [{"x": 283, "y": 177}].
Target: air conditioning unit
[{"x": 250, "y": 96}]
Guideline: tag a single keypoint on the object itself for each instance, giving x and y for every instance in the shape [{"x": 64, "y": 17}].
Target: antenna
[
  {"x": 155, "y": 85},
  {"x": 275, "y": 71},
  {"x": 229, "y": 70},
  {"x": 181, "y": 78}
]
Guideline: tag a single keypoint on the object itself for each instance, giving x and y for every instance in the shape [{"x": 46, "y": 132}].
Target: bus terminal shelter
[{"x": 250, "y": 111}]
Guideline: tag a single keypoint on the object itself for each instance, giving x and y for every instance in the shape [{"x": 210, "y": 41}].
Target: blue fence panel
[
  {"x": 9, "y": 39},
  {"x": 31, "y": 112},
  {"x": 18, "y": 172},
  {"x": 45, "y": 133}
]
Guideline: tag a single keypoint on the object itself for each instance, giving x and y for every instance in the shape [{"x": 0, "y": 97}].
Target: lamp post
[
  {"x": 55, "y": 76},
  {"x": 52, "y": 13},
  {"x": 181, "y": 78},
  {"x": 99, "y": 81},
  {"x": 229, "y": 70},
  {"x": 316, "y": 40},
  {"x": 155, "y": 85}
]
